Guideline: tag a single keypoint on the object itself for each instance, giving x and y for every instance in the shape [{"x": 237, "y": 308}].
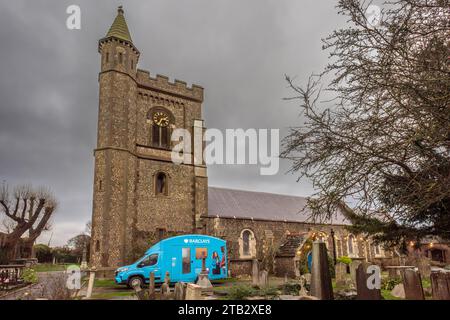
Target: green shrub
[
  {"x": 29, "y": 275},
  {"x": 291, "y": 288},
  {"x": 390, "y": 283},
  {"x": 240, "y": 292},
  {"x": 269, "y": 291},
  {"x": 344, "y": 259}
]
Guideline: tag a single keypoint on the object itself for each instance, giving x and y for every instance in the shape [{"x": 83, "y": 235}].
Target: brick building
[{"x": 141, "y": 196}]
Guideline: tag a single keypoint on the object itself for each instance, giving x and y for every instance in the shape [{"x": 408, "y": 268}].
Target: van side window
[
  {"x": 186, "y": 260},
  {"x": 150, "y": 260}
]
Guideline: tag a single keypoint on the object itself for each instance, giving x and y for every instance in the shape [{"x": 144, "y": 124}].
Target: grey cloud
[{"x": 238, "y": 50}]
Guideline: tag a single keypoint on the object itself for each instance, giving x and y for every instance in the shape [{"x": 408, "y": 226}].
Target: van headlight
[{"x": 122, "y": 269}]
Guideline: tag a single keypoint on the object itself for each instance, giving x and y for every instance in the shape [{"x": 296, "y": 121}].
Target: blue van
[{"x": 182, "y": 257}]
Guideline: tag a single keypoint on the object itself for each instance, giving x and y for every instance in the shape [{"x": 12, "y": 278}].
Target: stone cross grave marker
[
  {"x": 320, "y": 275},
  {"x": 412, "y": 283}
]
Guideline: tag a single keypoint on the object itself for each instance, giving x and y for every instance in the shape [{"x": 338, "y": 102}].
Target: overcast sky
[{"x": 238, "y": 51}]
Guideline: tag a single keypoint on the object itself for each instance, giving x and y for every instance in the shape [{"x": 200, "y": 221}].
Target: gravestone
[
  {"x": 193, "y": 292},
  {"x": 440, "y": 285},
  {"x": 180, "y": 292},
  {"x": 151, "y": 287},
  {"x": 320, "y": 274},
  {"x": 307, "y": 278},
  {"x": 353, "y": 266},
  {"x": 303, "y": 291},
  {"x": 263, "y": 279},
  {"x": 90, "y": 284},
  {"x": 366, "y": 290},
  {"x": 139, "y": 292},
  {"x": 398, "y": 291},
  {"x": 341, "y": 273},
  {"x": 412, "y": 284},
  {"x": 424, "y": 266},
  {"x": 255, "y": 272}
]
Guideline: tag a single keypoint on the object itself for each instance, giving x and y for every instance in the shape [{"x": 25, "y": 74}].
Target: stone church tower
[{"x": 140, "y": 195}]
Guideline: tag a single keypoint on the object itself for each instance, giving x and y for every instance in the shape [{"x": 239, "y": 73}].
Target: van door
[
  {"x": 149, "y": 264},
  {"x": 187, "y": 272}
]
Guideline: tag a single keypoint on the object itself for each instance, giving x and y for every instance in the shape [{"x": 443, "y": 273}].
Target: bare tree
[
  {"x": 381, "y": 141},
  {"x": 27, "y": 213}
]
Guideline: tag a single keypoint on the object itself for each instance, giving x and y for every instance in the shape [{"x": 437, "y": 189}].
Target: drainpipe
[{"x": 334, "y": 247}]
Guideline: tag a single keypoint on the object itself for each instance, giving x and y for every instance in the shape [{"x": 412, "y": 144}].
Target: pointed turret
[
  {"x": 117, "y": 49},
  {"x": 119, "y": 28}
]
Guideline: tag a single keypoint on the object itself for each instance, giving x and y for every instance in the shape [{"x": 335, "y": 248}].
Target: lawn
[{"x": 48, "y": 267}]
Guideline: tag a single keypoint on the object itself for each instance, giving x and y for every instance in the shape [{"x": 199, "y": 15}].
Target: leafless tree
[
  {"x": 380, "y": 142},
  {"x": 27, "y": 213}
]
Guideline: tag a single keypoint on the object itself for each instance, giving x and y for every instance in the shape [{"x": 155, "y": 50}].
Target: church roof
[
  {"x": 119, "y": 28},
  {"x": 230, "y": 203}
]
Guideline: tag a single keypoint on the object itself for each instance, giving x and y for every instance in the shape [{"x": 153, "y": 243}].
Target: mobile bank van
[{"x": 182, "y": 257}]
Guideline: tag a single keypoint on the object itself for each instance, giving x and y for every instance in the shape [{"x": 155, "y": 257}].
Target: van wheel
[{"x": 135, "y": 281}]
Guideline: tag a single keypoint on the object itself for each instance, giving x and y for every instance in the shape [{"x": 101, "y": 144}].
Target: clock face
[{"x": 161, "y": 119}]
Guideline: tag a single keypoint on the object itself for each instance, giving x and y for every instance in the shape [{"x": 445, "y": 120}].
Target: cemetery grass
[{"x": 48, "y": 267}]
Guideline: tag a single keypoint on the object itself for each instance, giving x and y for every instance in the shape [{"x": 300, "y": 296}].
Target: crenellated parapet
[{"x": 163, "y": 84}]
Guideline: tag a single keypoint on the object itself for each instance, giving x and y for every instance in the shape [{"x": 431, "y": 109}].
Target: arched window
[
  {"x": 160, "y": 135},
  {"x": 247, "y": 244},
  {"x": 352, "y": 246},
  {"x": 339, "y": 248},
  {"x": 161, "y": 184}
]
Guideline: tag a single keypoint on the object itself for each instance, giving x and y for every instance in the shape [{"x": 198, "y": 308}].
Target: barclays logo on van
[{"x": 197, "y": 241}]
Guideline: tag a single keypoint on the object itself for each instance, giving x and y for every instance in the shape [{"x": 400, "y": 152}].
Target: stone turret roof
[
  {"x": 119, "y": 28},
  {"x": 229, "y": 203}
]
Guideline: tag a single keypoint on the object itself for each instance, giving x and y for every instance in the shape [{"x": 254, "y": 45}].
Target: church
[{"x": 141, "y": 197}]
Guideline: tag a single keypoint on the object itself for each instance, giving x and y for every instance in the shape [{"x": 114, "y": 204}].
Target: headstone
[
  {"x": 440, "y": 285},
  {"x": 398, "y": 291},
  {"x": 341, "y": 273},
  {"x": 424, "y": 266},
  {"x": 308, "y": 278},
  {"x": 255, "y": 272},
  {"x": 364, "y": 291},
  {"x": 140, "y": 294},
  {"x": 180, "y": 291},
  {"x": 320, "y": 275},
  {"x": 413, "y": 285},
  {"x": 263, "y": 279},
  {"x": 193, "y": 292},
  {"x": 151, "y": 287},
  {"x": 303, "y": 291},
  {"x": 353, "y": 266},
  {"x": 165, "y": 291},
  {"x": 90, "y": 284},
  {"x": 165, "y": 287}
]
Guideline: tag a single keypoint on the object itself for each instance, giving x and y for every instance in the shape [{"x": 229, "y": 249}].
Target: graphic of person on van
[{"x": 215, "y": 263}]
